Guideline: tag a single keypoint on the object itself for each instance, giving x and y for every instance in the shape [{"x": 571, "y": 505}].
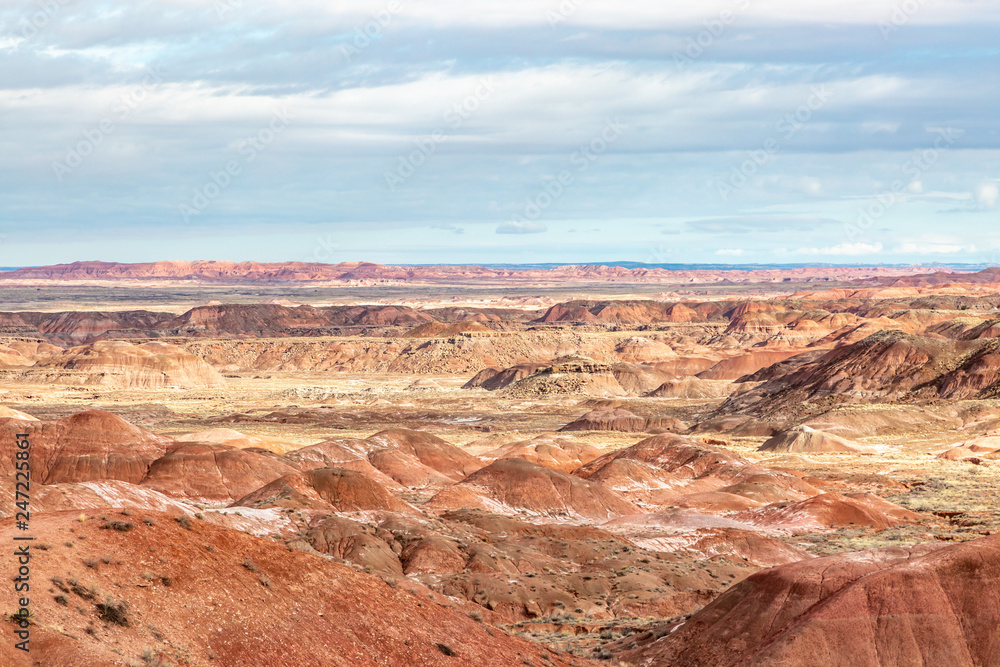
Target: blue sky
[{"x": 487, "y": 132}]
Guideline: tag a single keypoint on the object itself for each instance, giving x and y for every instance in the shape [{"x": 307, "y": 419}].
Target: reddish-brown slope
[
  {"x": 213, "y": 472},
  {"x": 885, "y": 365},
  {"x": 681, "y": 465},
  {"x": 746, "y": 364},
  {"x": 550, "y": 451},
  {"x": 328, "y": 453},
  {"x": 323, "y": 489},
  {"x": 520, "y": 485},
  {"x": 619, "y": 419},
  {"x": 271, "y": 319},
  {"x": 977, "y": 377},
  {"x": 211, "y": 596},
  {"x": 447, "y": 330},
  {"x": 74, "y": 327},
  {"x": 492, "y": 379},
  {"x": 803, "y": 439},
  {"x": 828, "y": 511},
  {"x": 87, "y": 446},
  {"x": 919, "y": 605},
  {"x": 430, "y": 450}
]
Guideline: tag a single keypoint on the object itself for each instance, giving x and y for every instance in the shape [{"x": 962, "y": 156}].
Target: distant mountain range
[
  {"x": 366, "y": 273},
  {"x": 370, "y": 273}
]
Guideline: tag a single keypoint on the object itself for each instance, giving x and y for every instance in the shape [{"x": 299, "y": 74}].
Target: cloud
[
  {"x": 357, "y": 113},
  {"x": 842, "y": 249},
  {"x": 986, "y": 196},
  {"x": 731, "y": 252},
  {"x": 933, "y": 248},
  {"x": 759, "y": 223},
  {"x": 518, "y": 227}
]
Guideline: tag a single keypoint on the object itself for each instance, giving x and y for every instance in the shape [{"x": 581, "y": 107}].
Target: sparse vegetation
[
  {"x": 113, "y": 611},
  {"x": 120, "y": 526}
]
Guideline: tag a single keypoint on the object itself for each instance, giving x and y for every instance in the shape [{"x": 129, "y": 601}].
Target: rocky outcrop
[
  {"x": 803, "y": 439},
  {"x": 121, "y": 365},
  {"x": 620, "y": 419}
]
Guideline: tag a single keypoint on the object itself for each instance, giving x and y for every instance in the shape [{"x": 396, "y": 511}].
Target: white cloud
[
  {"x": 986, "y": 195},
  {"x": 875, "y": 128},
  {"x": 516, "y": 227},
  {"x": 731, "y": 252},
  {"x": 933, "y": 248},
  {"x": 614, "y": 14},
  {"x": 811, "y": 186},
  {"x": 10, "y": 42},
  {"x": 842, "y": 249}
]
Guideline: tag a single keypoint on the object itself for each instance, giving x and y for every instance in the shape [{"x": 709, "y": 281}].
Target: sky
[{"x": 508, "y": 131}]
